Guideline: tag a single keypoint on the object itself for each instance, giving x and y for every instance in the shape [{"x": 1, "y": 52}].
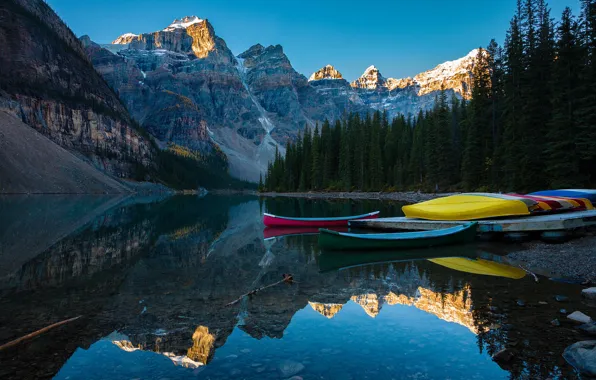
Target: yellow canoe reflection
[{"x": 480, "y": 266}]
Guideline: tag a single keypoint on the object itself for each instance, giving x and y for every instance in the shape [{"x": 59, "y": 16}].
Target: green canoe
[{"x": 343, "y": 241}]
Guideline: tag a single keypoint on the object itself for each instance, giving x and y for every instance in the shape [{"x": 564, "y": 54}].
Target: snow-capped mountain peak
[
  {"x": 327, "y": 72},
  {"x": 452, "y": 74},
  {"x": 370, "y": 69},
  {"x": 124, "y": 39},
  {"x": 183, "y": 23},
  {"x": 371, "y": 79}
]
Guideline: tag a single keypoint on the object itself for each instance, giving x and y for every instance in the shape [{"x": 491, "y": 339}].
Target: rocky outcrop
[
  {"x": 327, "y": 72},
  {"x": 53, "y": 88}
]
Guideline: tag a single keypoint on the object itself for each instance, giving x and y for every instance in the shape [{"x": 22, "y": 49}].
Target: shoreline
[
  {"x": 574, "y": 259},
  {"x": 406, "y": 196}
]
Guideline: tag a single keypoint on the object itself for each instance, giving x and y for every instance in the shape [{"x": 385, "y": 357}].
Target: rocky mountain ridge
[
  {"x": 53, "y": 88},
  {"x": 185, "y": 86}
]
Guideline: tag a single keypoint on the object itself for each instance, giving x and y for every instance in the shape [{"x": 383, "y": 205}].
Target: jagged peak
[
  {"x": 327, "y": 72},
  {"x": 370, "y": 68},
  {"x": 183, "y": 23},
  {"x": 371, "y": 79},
  {"x": 252, "y": 51},
  {"x": 124, "y": 39}
]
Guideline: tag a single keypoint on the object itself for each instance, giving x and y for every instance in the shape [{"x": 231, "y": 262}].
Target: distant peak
[
  {"x": 371, "y": 79},
  {"x": 183, "y": 23},
  {"x": 327, "y": 72},
  {"x": 124, "y": 39}
]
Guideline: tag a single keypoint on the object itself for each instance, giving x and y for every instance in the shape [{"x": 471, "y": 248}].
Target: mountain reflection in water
[{"x": 152, "y": 281}]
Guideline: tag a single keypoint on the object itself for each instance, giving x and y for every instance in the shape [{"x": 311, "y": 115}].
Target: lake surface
[{"x": 152, "y": 278}]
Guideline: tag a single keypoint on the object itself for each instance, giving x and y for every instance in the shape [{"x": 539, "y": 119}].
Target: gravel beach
[
  {"x": 574, "y": 259},
  {"x": 408, "y": 197}
]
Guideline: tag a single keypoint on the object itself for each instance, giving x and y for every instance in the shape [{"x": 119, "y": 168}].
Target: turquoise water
[{"x": 152, "y": 280}]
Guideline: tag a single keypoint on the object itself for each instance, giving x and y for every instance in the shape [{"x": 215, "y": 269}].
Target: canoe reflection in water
[{"x": 460, "y": 258}]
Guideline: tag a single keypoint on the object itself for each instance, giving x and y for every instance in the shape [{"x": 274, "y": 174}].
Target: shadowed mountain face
[
  {"x": 48, "y": 82},
  {"x": 185, "y": 86},
  {"x": 153, "y": 282}
]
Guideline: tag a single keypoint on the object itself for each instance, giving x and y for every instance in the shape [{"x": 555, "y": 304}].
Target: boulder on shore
[
  {"x": 589, "y": 293},
  {"x": 582, "y": 356},
  {"x": 578, "y": 316}
]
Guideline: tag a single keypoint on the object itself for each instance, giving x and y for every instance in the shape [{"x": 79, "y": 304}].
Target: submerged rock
[
  {"x": 503, "y": 357},
  {"x": 555, "y": 322},
  {"x": 582, "y": 356},
  {"x": 289, "y": 368},
  {"x": 560, "y": 298},
  {"x": 578, "y": 316}
]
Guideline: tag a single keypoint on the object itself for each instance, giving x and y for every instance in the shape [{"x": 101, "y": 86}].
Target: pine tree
[
  {"x": 586, "y": 112},
  {"x": 474, "y": 164},
  {"x": 316, "y": 183},
  {"x": 511, "y": 147},
  {"x": 562, "y": 162}
]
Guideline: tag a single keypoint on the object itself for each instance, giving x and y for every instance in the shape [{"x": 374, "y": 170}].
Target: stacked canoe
[{"x": 476, "y": 206}]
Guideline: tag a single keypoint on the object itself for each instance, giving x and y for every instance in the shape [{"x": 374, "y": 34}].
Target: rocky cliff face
[
  {"x": 53, "y": 88},
  {"x": 185, "y": 86}
]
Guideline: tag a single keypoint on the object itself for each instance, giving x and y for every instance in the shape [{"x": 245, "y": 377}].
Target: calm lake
[{"x": 151, "y": 279}]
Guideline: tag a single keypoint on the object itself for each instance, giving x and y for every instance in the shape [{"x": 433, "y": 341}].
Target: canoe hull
[
  {"x": 588, "y": 194},
  {"x": 280, "y": 221},
  {"x": 331, "y": 240},
  {"x": 469, "y": 207}
]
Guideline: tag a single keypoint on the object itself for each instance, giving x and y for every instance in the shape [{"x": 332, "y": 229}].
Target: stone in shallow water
[
  {"x": 578, "y": 316},
  {"x": 289, "y": 368},
  {"x": 560, "y": 298},
  {"x": 582, "y": 356},
  {"x": 555, "y": 322},
  {"x": 521, "y": 303},
  {"x": 589, "y": 293}
]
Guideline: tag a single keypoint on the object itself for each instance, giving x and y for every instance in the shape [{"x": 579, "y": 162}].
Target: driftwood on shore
[{"x": 36, "y": 333}]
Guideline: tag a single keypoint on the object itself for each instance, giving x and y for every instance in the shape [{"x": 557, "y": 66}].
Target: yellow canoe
[
  {"x": 480, "y": 266},
  {"x": 471, "y": 206}
]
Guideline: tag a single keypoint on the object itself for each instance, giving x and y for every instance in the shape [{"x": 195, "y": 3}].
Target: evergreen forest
[{"x": 529, "y": 124}]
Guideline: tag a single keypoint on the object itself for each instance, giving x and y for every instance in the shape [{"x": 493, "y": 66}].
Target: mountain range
[
  {"x": 185, "y": 86},
  {"x": 116, "y": 106}
]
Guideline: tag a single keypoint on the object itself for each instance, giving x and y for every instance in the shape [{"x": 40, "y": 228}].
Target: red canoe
[{"x": 282, "y": 221}]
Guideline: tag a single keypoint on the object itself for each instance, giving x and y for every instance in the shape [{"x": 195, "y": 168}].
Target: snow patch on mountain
[{"x": 183, "y": 23}]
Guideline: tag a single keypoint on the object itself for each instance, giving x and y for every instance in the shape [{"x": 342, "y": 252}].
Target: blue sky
[{"x": 400, "y": 37}]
